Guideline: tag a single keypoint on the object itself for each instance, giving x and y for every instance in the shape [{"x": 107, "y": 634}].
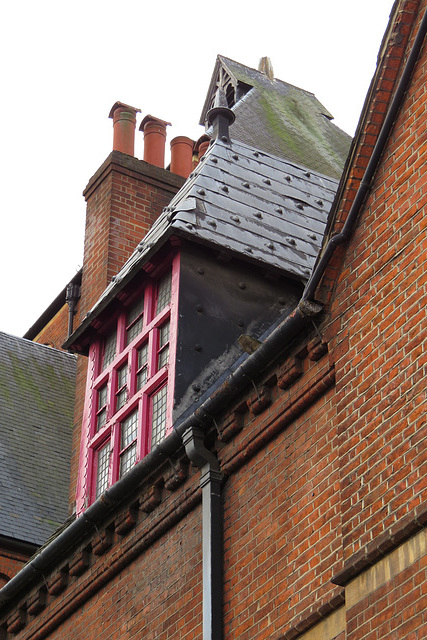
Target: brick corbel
[
  {"x": 289, "y": 372},
  {"x": 151, "y": 498},
  {"x": 103, "y": 542},
  {"x": 79, "y": 563},
  {"x": 177, "y": 475},
  {"x": 58, "y": 582},
  {"x": 37, "y": 601},
  {"x": 126, "y": 521},
  {"x": 17, "y": 620}
]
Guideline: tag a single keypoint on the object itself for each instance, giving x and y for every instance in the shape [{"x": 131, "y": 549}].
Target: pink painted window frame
[{"x": 92, "y": 441}]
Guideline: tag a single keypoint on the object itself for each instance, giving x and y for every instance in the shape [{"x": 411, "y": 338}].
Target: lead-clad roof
[{"x": 245, "y": 202}]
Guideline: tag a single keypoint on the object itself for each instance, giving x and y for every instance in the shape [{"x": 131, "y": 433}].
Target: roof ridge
[{"x": 288, "y": 84}]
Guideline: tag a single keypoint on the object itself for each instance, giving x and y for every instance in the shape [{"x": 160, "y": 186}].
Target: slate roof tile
[{"x": 36, "y": 416}]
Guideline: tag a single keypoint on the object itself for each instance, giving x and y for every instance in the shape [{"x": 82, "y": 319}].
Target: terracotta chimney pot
[
  {"x": 154, "y": 140},
  {"x": 181, "y": 156},
  {"x": 124, "y": 122},
  {"x": 203, "y": 147},
  {"x": 200, "y": 148}
]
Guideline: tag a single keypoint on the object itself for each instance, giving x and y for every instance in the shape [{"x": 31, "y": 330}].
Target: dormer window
[{"x": 128, "y": 407}]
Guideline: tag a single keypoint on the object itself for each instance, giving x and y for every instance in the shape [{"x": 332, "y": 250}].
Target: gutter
[
  {"x": 212, "y": 531},
  {"x": 231, "y": 387},
  {"x": 94, "y": 515}
]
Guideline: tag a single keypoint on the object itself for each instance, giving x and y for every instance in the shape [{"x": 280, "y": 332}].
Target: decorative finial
[
  {"x": 266, "y": 67},
  {"x": 220, "y": 117}
]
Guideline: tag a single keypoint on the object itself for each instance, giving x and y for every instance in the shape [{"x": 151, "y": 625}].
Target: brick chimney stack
[
  {"x": 124, "y": 123},
  {"x": 154, "y": 140}
]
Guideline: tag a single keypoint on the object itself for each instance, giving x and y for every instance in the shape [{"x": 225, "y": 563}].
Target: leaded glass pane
[
  {"x": 134, "y": 330},
  {"x": 109, "y": 350},
  {"x": 129, "y": 429},
  {"x": 121, "y": 398},
  {"x": 102, "y": 397},
  {"x": 127, "y": 459},
  {"x": 142, "y": 356},
  {"x": 136, "y": 310},
  {"x": 102, "y": 469},
  {"x": 101, "y": 419},
  {"x": 101, "y": 416},
  {"x": 163, "y": 345},
  {"x": 159, "y": 401},
  {"x": 164, "y": 289},
  {"x": 164, "y": 334},
  {"x": 122, "y": 376},
  {"x": 135, "y": 320},
  {"x": 163, "y": 357},
  {"x": 141, "y": 376}
]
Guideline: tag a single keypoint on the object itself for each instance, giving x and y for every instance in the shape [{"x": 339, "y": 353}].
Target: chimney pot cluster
[{"x": 154, "y": 129}]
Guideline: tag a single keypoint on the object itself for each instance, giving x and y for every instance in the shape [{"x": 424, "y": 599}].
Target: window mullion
[
  {"x": 145, "y": 424},
  {"x": 115, "y": 451},
  {"x": 132, "y": 369},
  {"x": 140, "y": 443},
  {"x": 121, "y": 333},
  {"x": 152, "y": 352}
]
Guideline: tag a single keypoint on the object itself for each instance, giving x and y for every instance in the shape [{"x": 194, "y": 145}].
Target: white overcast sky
[{"x": 64, "y": 64}]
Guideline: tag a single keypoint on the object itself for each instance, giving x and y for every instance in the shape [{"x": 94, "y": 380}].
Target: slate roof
[
  {"x": 36, "y": 414},
  {"x": 244, "y": 202},
  {"x": 281, "y": 119}
]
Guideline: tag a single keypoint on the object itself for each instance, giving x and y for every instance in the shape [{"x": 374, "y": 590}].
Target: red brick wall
[
  {"x": 55, "y": 332},
  {"x": 282, "y": 519},
  {"x": 10, "y": 563},
  {"x": 379, "y": 314},
  {"x": 124, "y": 198},
  {"x": 157, "y": 597}
]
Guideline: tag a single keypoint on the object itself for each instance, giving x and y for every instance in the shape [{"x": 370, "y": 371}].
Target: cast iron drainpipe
[
  {"x": 210, "y": 482},
  {"x": 72, "y": 294},
  {"x": 349, "y": 224}
]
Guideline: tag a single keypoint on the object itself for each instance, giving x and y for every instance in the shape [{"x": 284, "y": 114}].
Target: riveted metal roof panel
[{"x": 245, "y": 202}]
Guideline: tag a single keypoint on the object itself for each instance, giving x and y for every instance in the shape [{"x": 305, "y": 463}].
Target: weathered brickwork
[
  {"x": 124, "y": 198},
  {"x": 280, "y": 466},
  {"x": 389, "y": 600},
  {"x": 54, "y": 333},
  {"x": 10, "y": 563},
  {"x": 155, "y": 597},
  {"x": 281, "y": 555},
  {"x": 380, "y": 302}
]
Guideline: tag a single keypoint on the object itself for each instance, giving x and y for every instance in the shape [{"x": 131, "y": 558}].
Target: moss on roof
[
  {"x": 284, "y": 120},
  {"x": 36, "y": 418}
]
